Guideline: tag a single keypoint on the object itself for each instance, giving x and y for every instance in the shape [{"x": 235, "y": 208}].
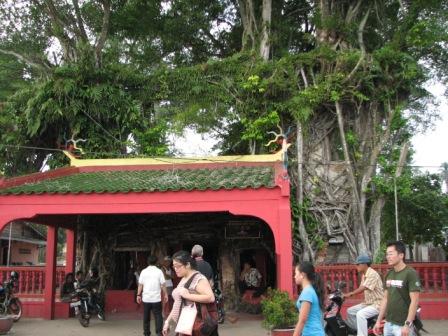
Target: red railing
[
  {"x": 433, "y": 276},
  {"x": 31, "y": 278}
]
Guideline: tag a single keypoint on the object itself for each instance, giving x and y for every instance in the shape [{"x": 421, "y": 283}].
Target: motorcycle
[
  {"x": 9, "y": 304},
  {"x": 85, "y": 303},
  {"x": 335, "y": 324},
  {"x": 219, "y": 305}
]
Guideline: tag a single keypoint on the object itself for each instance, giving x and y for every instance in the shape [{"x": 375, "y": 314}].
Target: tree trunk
[
  {"x": 265, "y": 44},
  {"x": 359, "y": 224},
  {"x": 256, "y": 29},
  {"x": 375, "y": 224},
  {"x": 308, "y": 253},
  {"x": 246, "y": 10}
]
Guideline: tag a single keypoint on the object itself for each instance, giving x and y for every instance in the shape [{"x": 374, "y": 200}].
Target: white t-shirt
[{"x": 151, "y": 278}]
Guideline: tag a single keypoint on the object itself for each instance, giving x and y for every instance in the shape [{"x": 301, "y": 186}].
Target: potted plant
[
  {"x": 5, "y": 324},
  {"x": 280, "y": 313}
]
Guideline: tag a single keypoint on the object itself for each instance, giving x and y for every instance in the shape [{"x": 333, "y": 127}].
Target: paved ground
[{"x": 246, "y": 326}]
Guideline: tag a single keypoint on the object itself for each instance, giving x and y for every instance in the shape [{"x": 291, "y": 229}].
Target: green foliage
[
  {"x": 311, "y": 225},
  {"x": 278, "y": 310},
  {"x": 80, "y": 100},
  {"x": 422, "y": 210},
  {"x": 152, "y": 140},
  {"x": 380, "y": 255},
  {"x": 168, "y": 65},
  {"x": 257, "y": 129}
]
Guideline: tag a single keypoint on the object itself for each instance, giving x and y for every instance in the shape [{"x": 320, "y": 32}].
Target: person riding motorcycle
[
  {"x": 68, "y": 288},
  {"x": 372, "y": 287}
]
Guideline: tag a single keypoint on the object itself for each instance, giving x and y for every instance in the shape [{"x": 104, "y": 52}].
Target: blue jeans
[{"x": 391, "y": 329}]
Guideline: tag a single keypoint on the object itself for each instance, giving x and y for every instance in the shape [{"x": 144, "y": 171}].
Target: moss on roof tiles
[{"x": 151, "y": 181}]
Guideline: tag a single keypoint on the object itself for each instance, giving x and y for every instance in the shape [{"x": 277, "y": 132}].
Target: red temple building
[{"x": 236, "y": 206}]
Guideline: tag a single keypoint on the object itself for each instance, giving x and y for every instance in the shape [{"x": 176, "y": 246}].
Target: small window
[{"x": 24, "y": 251}]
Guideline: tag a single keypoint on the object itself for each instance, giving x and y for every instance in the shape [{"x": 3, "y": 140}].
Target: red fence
[
  {"x": 433, "y": 276},
  {"x": 31, "y": 278}
]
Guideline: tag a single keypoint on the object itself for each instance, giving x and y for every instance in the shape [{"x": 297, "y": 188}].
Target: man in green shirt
[{"x": 401, "y": 294}]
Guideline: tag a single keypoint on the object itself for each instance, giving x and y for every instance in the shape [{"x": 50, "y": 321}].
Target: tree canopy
[
  {"x": 422, "y": 210},
  {"x": 346, "y": 77}
]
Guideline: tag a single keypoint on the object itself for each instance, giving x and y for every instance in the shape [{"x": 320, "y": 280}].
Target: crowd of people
[
  {"x": 396, "y": 300},
  {"x": 156, "y": 289}
]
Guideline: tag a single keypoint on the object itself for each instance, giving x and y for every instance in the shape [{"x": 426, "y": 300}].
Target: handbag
[
  {"x": 207, "y": 324},
  {"x": 187, "y": 315},
  {"x": 418, "y": 326},
  {"x": 186, "y": 319}
]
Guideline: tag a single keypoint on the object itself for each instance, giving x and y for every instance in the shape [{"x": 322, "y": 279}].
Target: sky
[{"x": 431, "y": 148}]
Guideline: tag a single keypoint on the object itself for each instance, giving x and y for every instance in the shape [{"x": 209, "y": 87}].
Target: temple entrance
[{"x": 120, "y": 244}]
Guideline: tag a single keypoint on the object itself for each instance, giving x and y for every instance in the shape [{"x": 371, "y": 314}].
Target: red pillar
[
  {"x": 70, "y": 256},
  {"x": 4, "y": 220},
  {"x": 50, "y": 273},
  {"x": 283, "y": 234},
  {"x": 63, "y": 310},
  {"x": 283, "y": 247}
]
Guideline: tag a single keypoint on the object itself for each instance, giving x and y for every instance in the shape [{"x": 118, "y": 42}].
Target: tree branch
[
  {"x": 57, "y": 28},
  {"x": 248, "y": 20},
  {"x": 352, "y": 11},
  {"x": 359, "y": 209},
  {"x": 79, "y": 20},
  {"x": 376, "y": 150},
  {"x": 361, "y": 45},
  {"x": 103, "y": 35},
  {"x": 40, "y": 66}
]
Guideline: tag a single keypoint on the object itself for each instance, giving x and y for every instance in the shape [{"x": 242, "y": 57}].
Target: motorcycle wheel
[
  {"x": 84, "y": 320},
  {"x": 329, "y": 332},
  {"x": 101, "y": 314},
  {"x": 15, "y": 309},
  {"x": 221, "y": 316}
]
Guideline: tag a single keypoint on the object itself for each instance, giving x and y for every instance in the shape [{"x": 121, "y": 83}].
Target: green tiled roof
[{"x": 151, "y": 180}]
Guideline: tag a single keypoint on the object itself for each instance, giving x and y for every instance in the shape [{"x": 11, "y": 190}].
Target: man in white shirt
[{"x": 151, "y": 284}]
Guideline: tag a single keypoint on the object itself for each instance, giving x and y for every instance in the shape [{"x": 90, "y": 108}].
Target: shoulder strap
[
  {"x": 188, "y": 283},
  {"x": 187, "y": 286},
  {"x": 408, "y": 302}
]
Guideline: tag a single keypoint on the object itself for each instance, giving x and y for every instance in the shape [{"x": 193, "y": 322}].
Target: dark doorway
[
  {"x": 262, "y": 261},
  {"x": 211, "y": 253}
]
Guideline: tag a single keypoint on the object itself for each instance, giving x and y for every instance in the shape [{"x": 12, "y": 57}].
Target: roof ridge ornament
[
  {"x": 281, "y": 139},
  {"x": 71, "y": 145}
]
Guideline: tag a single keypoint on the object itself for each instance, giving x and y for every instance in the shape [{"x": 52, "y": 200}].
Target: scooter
[
  {"x": 9, "y": 303},
  {"x": 85, "y": 303},
  {"x": 219, "y": 301},
  {"x": 335, "y": 324}
]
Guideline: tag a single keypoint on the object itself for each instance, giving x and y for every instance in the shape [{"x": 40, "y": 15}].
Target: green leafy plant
[{"x": 278, "y": 310}]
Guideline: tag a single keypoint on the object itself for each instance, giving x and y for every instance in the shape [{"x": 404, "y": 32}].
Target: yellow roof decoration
[{"x": 75, "y": 162}]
